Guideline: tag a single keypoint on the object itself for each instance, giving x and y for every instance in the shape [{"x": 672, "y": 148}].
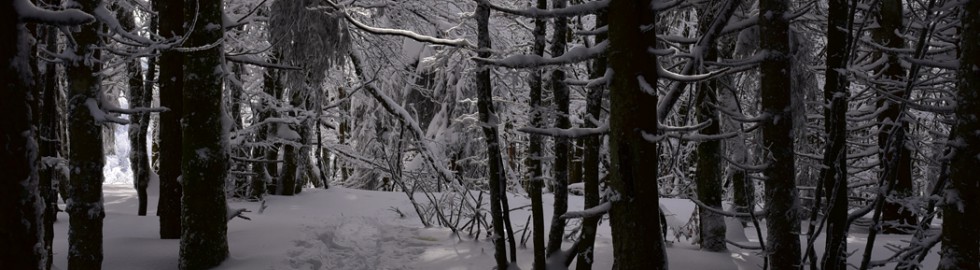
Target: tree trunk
[
  {"x": 50, "y": 143},
  {"x": 590, "y": 163},
  {"x": 782, "y": 199},
  {"x": 635, "y": 212},
  {"x": 534, "y": 152},
  {"x": 834, "y": 173},
  {"x": 961, "y": 244},
  {"x": 138, "y": 160},
  {"x": 235, "y": 98},
  {"x": 560, "y": 90},
  {"x": 86, "y": 158},
  {"x": 21, "y": 206},
  {"x": 488, "y": 116},
  {"x": 896, "y": 161},
  {"x": 171, "y": 22},
  {"x": 204, "y": 241}
]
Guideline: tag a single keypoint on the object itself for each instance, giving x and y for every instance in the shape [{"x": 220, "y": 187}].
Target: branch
[
  {"x": 459, "y": 42},
  {"x": 569, "y": 11},
  {"x": 595, "y": 211},
  {"x": 255, "y": 62},
  {"x": 30, "y": 13},
  {"x": 567, "y": 133},
  {"x": 575, "y": 55},
  {"x": 725, "y": 213}
]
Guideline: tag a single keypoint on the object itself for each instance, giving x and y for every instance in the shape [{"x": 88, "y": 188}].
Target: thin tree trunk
[
  {"x": 171, "y": 23},
  {"x": 137, "y": 134},
  {"x": 534, "y": 152},
  {"x": 488, "y": 116},
  {"x": 960, "y": 241},
  {"x": 560, "y": 90},
  {"x": 590, "y": 168},
  {"x": 50, "y": 143},
  {"x": 635, "y": 212},
  {"x": 834, "y": 173},
  {"x": 204, "y": 241},
  {"x": 782, "y": 199},
  {"x": 896, "y": 161}
]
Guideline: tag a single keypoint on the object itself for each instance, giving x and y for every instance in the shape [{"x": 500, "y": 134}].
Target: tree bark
[
  {"x": 171, "y": 22},
  {"x": 782, "y": 199},
  {"x": 534, "y": 152},
  {"x": 960, "y": 244},
  {"x": 49, "y": 142},
  {"x": 204, "y": 167},
  {"x": 85, "y": 158},
  {"x": 488, "y": 118},
  {"x": 138, "y": 160},
  {"x": 560, "y": 90},
  {"x": 590, "y": 163},
  {"x": 635, "y": 212},
  {"x": 21, "y": 205},
  {"x": 896, "y": 160},
  {"x": 834, "y": 173}
]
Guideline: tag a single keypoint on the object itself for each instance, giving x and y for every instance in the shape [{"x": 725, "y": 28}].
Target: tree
[
  {"x": 834, "y": 173},
  {"x": 896, "y": 160},
  {"x": 171, "y": 21},
  {"x": 782, "y": 200},
  {"x": 85, "y": 157},
  {"x": 634, "y": 216},
  {"x": 561, "y": 100},
  {"x": 591, "y": 157},
  {"x": 21, "y": 205},
  {"x": 140, "y": 95},
  {"x": 204, "y": 152},
  {"x": 535, "y": 142},
  {"x": 960, "y": 244}
]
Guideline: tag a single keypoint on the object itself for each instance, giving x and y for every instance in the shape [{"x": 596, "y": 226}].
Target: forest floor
[{"x": 344, "y": 228}]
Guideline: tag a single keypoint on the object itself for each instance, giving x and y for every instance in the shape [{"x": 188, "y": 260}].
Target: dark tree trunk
[
  {"x": 782, "y": 199},
  {"x": 204, "y": 167},
  {"x": 21, "y": 205},
  {"x": 834, "y": 173},
  {"x": 635, "y": 212},
  {"x": 560, "y": 90},
  {"x": 235, "y": 98},
  {"x": 536, "y": 178},
  {"x": 85, "y": 158},
  {"x": 488, "y": 116},
  {"x": 961, "y": 228},
  {"x": 171, "y": 23},
  {"x": 50, "y": 143},
  {"x": 896, "y": 160},
  {"x": 139, "y": 163},
  {"x": 590, "y": 163},
  {"x": 709, "y": 153}
]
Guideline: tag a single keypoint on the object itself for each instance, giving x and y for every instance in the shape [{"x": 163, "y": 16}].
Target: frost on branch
[{"x": 30, "y": 13}]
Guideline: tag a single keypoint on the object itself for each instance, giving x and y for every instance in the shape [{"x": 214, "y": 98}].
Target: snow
[
  {"x": 344, "y": 228},
  {"x": 30, "y": 13}
]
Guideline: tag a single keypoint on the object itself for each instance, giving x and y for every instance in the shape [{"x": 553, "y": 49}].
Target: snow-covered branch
[
  {"x": 569, "y": 11},
  {"x": 459, "y": 42},
  {"x": 567, "y": 133},
  {"x": 575, "y": 55},
  {"x": 595, "y": 211},
  {"x": 255, "y": 62},
  {"x": 30, "y": 13},
  {"x": 706, "y": 207}
]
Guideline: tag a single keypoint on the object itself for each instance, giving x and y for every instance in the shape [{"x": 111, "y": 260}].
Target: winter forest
[{"x": 489, "y": 134}]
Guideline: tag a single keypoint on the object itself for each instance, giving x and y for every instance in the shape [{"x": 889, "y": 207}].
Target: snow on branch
[
  {"x": 746, "y": 167},
  {"x": 951, "y": 65},
  {"x": 459, "y": 42},
  {"x": 708, "y": 208},
  {"x": 567, "y": 133},
  {"x": 667, "y": 74},
  {"x": 255, "y": 62},
  {"x": 694, "y": 127},
  {"x": 595, "y": 211},
  {"x": 101, "y": 116},
  {"x": 30, "y": 13},
  {"x": 569, "y": 11},
  {"x": 106, "y": 17},
  {"x": 575, "y": 55}
]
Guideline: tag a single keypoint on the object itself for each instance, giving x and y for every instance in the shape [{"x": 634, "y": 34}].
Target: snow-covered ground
[{"x": 344, "y": 228}]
